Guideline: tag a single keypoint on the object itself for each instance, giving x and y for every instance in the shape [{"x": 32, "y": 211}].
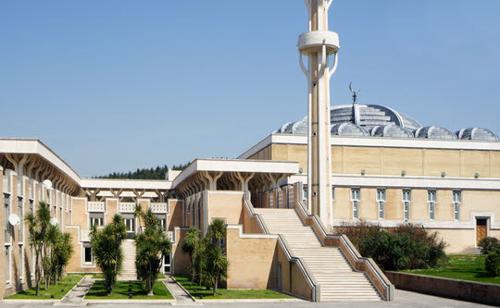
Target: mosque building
[{"x": 281, "y": 199}]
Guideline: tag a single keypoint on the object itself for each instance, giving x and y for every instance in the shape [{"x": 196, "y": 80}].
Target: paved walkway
[
  {"x": 181, "y": 297},
  {"x": 75, "y": 296}
]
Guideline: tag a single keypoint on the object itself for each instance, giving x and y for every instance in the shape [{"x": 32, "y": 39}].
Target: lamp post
[{"x": 320, "y": 47}]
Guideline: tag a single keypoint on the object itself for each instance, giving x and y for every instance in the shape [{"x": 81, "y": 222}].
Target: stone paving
[
  {"x": 75, "y": 296},
  {"x": 181, "y": 297}
]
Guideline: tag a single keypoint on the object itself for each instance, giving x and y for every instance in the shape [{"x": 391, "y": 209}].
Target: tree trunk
[
  {"x": 37, "y": 273},
  {"x": 216, "y": 282}
]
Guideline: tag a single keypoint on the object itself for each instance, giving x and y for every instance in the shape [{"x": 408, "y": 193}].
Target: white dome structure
[
  {"x": 477, "y": 134},
  {"x": 357, "y": 120}
]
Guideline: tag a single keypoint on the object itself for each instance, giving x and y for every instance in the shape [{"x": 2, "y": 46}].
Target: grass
[
  {"x": 202, "y": 293},
  {"x": 463, "y": 267},
  {"x": 120, "y": 291},
  {"x": 56, "y": 291}
]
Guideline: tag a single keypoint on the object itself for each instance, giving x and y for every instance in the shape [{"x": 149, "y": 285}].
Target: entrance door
[{"x": 481, "y": 229}]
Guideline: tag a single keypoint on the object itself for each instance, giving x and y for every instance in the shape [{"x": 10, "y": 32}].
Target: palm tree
[
  {"x": 189, "y": 245},
  {"x": 152, "y": 247},
  {"x": 217, "y": 231},
  {"x": 106, "y": 247},
  {"x": 216, "y": 269},
  {"x": 216, "y": 261},
  {"x": 38, "y": 227}
]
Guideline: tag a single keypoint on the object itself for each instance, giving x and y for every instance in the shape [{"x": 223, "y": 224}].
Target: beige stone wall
[
  {"x": 264, "y": 154},
  {"x": 392, "y": 161},
  {"x": 80, "y": 230},
  {"x": 225, "y": 204},
  {"x": 181, "y": 260},
  {"x": 460, "y": 235},
  {"x": 2, "y": 238},
  {"x": 250, "y": 260},
  {"x": 174, "y": 217}
]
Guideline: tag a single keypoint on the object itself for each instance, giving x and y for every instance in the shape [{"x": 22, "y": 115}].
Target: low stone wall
[{"x": 477, "y": 292}]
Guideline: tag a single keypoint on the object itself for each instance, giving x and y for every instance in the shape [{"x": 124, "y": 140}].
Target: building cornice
[{"x": 384, "y": 142}]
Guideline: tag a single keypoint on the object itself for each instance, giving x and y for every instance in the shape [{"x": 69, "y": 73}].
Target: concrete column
[{"x": 317, "y": 45}]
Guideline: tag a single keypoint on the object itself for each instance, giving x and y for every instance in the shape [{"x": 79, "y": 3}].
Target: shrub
[
  {"x": 492, "y": 263},
  {"x": 489, "y": 244},
  {"x": 405, "y": 247}
]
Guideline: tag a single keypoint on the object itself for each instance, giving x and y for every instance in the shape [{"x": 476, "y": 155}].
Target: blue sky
[{"x": 116, "y": 85}]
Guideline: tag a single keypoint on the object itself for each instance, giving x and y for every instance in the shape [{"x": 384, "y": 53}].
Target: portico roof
[{"x": 237, "y": 165}]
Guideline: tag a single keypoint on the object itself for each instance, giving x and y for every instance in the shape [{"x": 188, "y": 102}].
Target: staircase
[
  {"x": 328, "y": 266},
  {"x": 128, "y": 266}
]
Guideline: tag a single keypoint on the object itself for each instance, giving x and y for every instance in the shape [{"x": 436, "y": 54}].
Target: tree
[
  {"x": 38, "y": 226},
  {"x": 217, "y": 232},
  {"x": 216, "y": 261},
  {"x": 189, "y": 245},
  {"x": 216, "y": 268},
  {"x": 61, "y": 253},
  {"x": 51, "y": 246},
  {"x": 106, "y": 247},
  {"x": 152, "y": 246}
]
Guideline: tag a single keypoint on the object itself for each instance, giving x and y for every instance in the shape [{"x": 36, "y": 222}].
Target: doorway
[{"x": 481, "y": 228}]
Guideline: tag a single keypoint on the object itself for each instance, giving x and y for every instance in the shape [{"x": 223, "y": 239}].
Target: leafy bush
[
  {"x": 489, "y": 244},
  {"x": 405, "y": 247},
  {"x": 492, "y": 263}
]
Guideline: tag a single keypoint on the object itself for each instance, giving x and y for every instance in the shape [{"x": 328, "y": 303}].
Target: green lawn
[
  {"x": 202, "y": 293},
  {"x": 120, "y": 291},
  {"x": 54, "y": 291},
  {"x": 464, "y": 267}
]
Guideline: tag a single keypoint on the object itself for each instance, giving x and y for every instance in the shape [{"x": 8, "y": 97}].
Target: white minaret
[{"x": 320, "y": 46}]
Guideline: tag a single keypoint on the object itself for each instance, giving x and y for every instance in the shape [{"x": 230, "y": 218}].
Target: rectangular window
[
  {"x": 162, "y": 219},
  {"x": 7, "y": 264},
  {"x": 355, "y": 199},
  {"x": 87, "y": 254},
  {"x": 381, "y": 203},
  {"x": 96, "y": 219},
  {"x": 406, "y": 204},
  {"x": 431, "y": 200},
  {"x": 20, "y": 213},
  {"x": 21, "y": 259},
  {"x": 129, "y": 220},
  {"x": 166, "y": 264},
  {"x": 7, "y": 229},
  {"x": 457, "y": 200},
  {"x": 333, "y": 193}
]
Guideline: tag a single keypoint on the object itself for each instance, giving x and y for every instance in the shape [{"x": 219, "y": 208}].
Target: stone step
[{"x": 328, "y": 266}]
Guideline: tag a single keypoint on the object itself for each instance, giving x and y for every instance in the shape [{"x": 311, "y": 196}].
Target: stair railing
[
  {"x": 315, "y": 288},
  {"x": 377, "y": 277},
  {"x": 251, "y": 210}
]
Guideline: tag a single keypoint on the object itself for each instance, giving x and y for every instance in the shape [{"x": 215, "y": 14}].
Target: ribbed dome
[
  {"x": 358, "y": 120},
  {"x": 369, "y": 116},
  {"x": 435, "y": 132},
  {"x": 476, "y": 133},
  {"x": 392, "y": 131},
  {"x": 364, "y": 116},
  {"x": 349, "y": 129}
]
